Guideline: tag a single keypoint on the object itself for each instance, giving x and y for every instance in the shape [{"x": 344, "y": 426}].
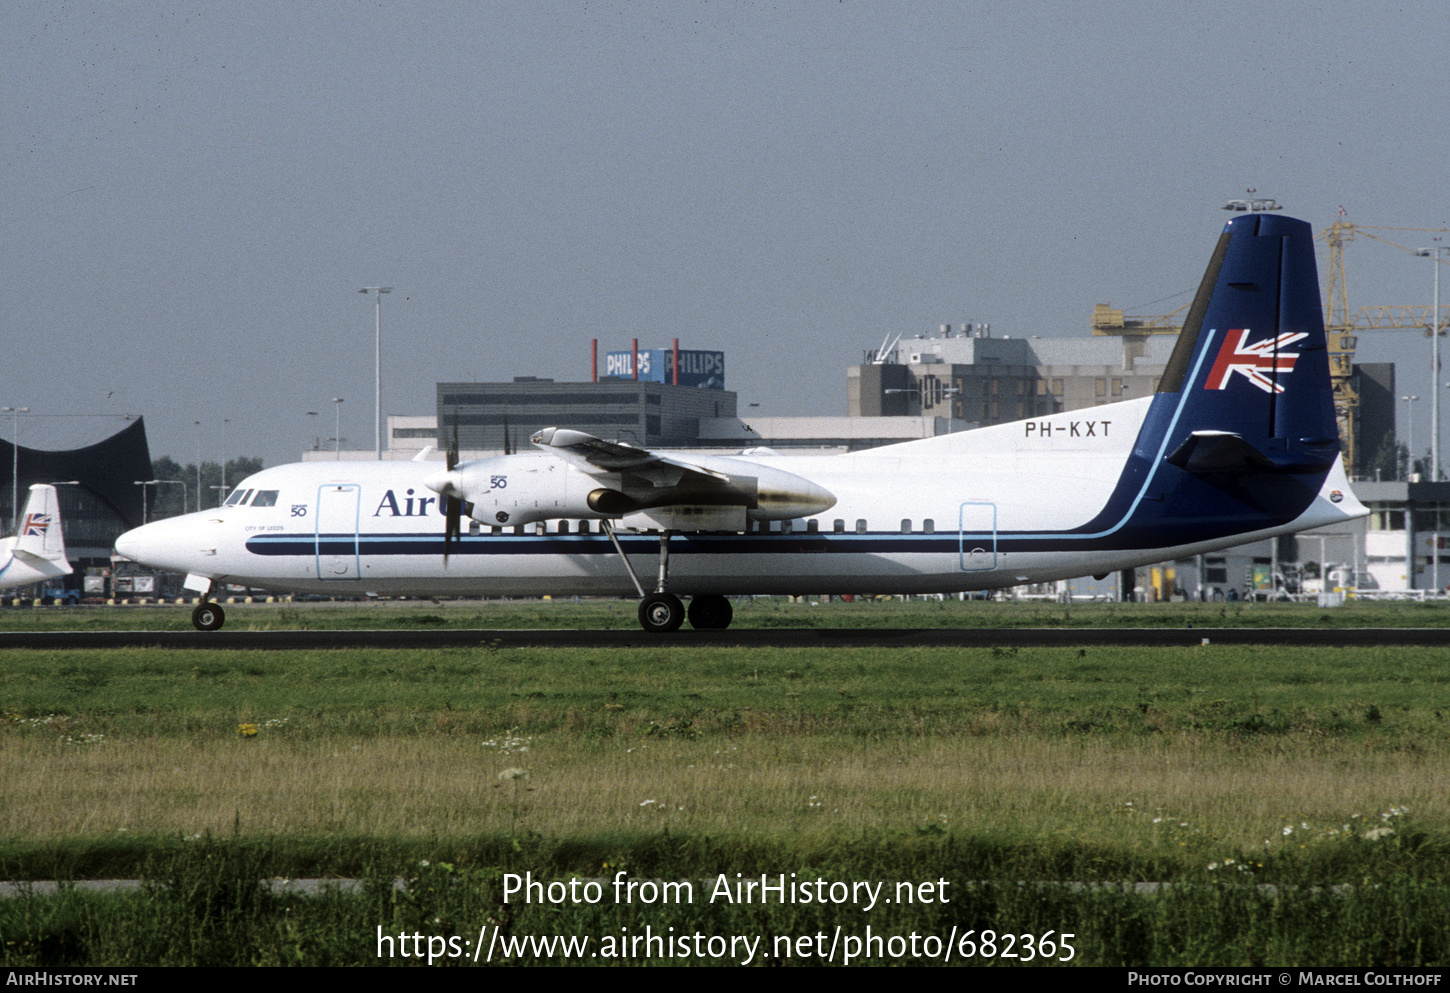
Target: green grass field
[
  {"x": 1293, "y": 801},
  {"x": 761, "y": 612}
]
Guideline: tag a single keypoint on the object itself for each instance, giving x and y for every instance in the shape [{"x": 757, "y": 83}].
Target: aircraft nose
[
  {"x": 131, "y": 543},
  {"x": 161, "y": 545}
]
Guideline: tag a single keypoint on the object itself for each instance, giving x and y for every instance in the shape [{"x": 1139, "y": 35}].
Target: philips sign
[{"x": 705, "y": 370}]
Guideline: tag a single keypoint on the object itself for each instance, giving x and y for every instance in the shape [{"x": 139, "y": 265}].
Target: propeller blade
[
  {"x": 452, "y": 506},
  {"x": 453, "y": 525}
]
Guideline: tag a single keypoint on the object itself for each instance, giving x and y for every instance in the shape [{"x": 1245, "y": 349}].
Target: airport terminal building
[
  {"x": 492, "y": 416},
  {"x": 96, "y": 479}
]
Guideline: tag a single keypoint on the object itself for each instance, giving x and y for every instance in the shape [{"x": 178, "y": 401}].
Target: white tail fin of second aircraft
[{"x": 39, "y": 541}]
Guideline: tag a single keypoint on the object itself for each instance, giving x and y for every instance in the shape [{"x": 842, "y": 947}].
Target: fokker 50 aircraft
[
  {"x": 1239, "y": 443},
  {"x": 37, "y": 552}
]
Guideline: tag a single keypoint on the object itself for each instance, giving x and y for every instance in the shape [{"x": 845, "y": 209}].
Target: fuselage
[{"x": 1055, "y": 497}]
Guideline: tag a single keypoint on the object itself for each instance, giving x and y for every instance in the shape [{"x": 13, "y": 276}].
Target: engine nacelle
[
  {"x": 720, "y": 495},
  {"x": 519, "y": 489}
]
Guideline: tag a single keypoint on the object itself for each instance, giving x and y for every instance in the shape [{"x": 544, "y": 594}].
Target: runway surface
[{"x": 745, "y": 637}]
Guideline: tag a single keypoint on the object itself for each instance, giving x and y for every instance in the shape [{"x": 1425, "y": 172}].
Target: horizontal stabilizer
[{"x": 1224, "y": 452}]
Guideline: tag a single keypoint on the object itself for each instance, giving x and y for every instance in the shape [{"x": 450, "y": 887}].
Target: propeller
[{"x": 452, "y": 505}]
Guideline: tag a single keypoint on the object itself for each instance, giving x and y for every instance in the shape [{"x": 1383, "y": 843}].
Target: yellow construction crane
[{"x": 1341, "y": 327}]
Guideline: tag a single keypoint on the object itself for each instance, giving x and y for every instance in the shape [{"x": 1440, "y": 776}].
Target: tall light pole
[
  {"x": 198, "y": 464},
  {"x": 1409, "y": 434},
  {"x": 159, "y": 482},
  {"x": 337, "y": 429},
  {"x": 15, "y": 467},
  {"x": 378, "y": 291},
  {"x": 1434, "y": 253}
]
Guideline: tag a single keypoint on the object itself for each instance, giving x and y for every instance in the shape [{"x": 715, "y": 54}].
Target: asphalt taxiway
[{"x": 744, "y": 637}]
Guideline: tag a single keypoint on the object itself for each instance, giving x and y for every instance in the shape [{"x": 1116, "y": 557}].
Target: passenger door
[{"x": 337, "y": 522}]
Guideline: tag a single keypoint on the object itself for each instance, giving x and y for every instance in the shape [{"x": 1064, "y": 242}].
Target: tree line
[{"x": 166, "y": 498}]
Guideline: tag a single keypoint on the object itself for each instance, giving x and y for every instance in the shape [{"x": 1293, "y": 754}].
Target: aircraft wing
[{"x": 595, "y": 455}]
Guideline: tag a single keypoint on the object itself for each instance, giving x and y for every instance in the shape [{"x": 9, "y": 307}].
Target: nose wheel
[{"x": 208, "y": 616}]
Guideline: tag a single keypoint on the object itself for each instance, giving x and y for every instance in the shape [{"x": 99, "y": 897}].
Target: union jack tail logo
[
  {"x": 36, "y": 525},
  {"x": 1261, "y": 363}
]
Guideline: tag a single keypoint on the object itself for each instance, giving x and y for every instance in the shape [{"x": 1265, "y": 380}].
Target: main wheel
[
  {"x": 710, "y": 612},
  {"x": 661, "y": 613},
  {"x": 208, "y": 616}
]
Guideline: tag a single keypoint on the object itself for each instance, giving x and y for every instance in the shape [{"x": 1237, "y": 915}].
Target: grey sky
[{"x": 194, "y": 193}]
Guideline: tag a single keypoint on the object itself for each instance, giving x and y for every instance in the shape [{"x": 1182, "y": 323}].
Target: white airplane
[
  {"x": 1238, "y": 444},
  {"x": 37, "y": 551}
]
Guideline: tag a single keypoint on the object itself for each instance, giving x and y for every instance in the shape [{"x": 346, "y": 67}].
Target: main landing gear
[
  {"x": 208, "y": 616},
  {"x": 661, "y": 612}
]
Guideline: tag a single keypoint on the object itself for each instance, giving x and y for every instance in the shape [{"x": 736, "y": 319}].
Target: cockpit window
[
  {"x": 265, "y": 498},
  {"x": 238, "y": 497}
]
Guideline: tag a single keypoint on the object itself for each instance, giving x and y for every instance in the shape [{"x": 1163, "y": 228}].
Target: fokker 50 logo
[
  {"x": 1261, "y": 363},
  {"x": 35, "y": 525}
]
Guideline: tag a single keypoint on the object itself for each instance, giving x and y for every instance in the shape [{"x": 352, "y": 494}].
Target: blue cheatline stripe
[{"x": 877, "y": 543}]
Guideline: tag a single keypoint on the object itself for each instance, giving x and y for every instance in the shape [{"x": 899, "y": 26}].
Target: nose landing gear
[{"x": 208, "y": 616}]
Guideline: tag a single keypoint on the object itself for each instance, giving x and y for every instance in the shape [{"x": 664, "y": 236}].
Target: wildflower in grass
[
  {"x": 509, "y": 742},
  {"x": 514, "y": 773},
  {"x": 247, "y": 730},
  {"x": 1378, "y": 833}
]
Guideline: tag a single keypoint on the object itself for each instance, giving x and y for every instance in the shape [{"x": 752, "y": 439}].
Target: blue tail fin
[
  {"x": 1251, "y": 366},
  {"x": 1241, "y": 435}
]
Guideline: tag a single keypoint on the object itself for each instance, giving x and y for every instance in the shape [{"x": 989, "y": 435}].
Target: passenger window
[
  {"x": 929, "y": 526},
  {"x": 906, "y": 526},
  {"x": 861, "y": 526},
  {"x": 839, "y": 526},
  {"x": 265, "y": 498},
  {"x": 813, "y": 525}
]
